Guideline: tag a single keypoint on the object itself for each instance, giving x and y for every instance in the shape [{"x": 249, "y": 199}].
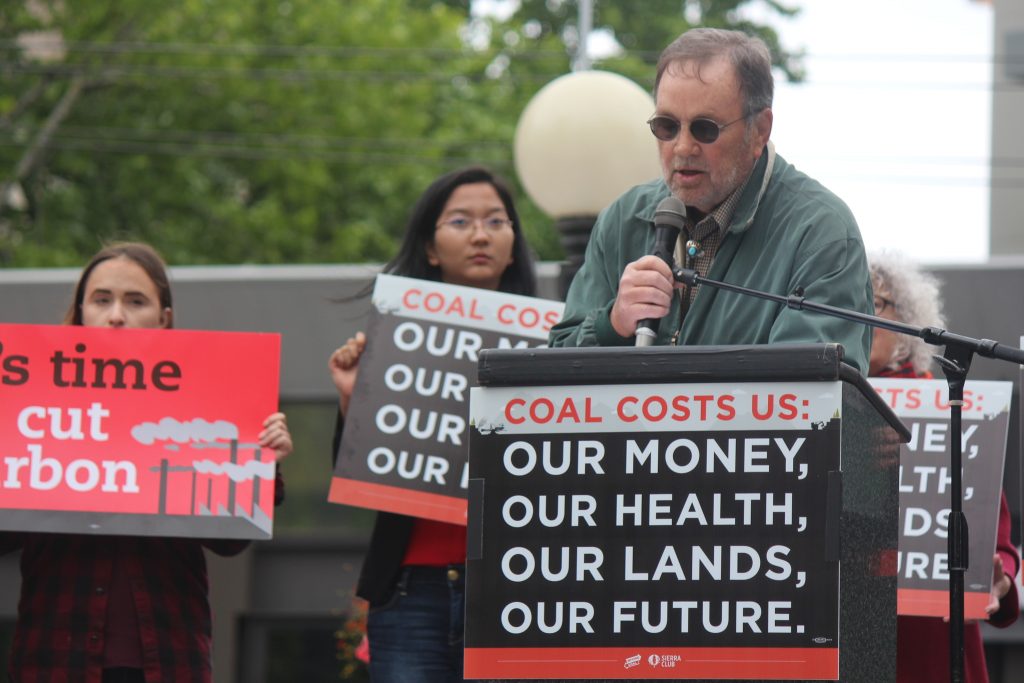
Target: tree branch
[
  {"x": 24, "y": 102},
  {"x": 37, "y": 147}
]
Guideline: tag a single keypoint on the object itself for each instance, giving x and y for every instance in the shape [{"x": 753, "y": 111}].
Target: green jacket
[{"x": 788, "y": 231}]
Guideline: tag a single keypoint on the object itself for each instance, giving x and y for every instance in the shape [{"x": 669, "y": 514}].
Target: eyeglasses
[
  {"x": 881, "y": 303},
  {"x": 464, "y": 224},
  {"x": 704, "y": 131}
]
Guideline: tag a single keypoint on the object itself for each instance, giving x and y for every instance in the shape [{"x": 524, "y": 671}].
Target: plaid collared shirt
[
  {"x": 707, "y": 233},
  {"x": 66, "y": 582}
]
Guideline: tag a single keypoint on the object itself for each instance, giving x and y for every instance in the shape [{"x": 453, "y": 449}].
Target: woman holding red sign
[
  {"x": 111, "y": 609},
  {"x": 463, "y": 230},
  {"x": 905, "y": 294}
]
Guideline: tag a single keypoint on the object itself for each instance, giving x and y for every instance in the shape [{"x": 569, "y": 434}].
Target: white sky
[{"x": 895, "y": 118}]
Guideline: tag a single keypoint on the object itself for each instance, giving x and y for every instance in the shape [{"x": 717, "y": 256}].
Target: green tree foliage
[
  {"x": 274, "y": 131},
  {"x": 644, "y": 29}
]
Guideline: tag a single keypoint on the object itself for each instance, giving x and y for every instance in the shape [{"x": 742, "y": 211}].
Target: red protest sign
[{"x": 141, "y": 432}]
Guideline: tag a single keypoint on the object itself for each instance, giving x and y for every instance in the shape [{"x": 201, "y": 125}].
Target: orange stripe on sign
[
  {"x": 399, "y": 500},
  {"x": 668, "y": 662},
  {"x": 933, "y": 603}
]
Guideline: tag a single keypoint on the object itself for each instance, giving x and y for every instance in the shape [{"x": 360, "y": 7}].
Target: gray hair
[
  {"x": 916, "y": 301},
  {"x": 748, "y": 54}
]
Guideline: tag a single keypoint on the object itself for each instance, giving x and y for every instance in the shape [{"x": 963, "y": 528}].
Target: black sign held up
[
  {"x": 924, "y": 483},
  {"x": 404, "y": 446}
]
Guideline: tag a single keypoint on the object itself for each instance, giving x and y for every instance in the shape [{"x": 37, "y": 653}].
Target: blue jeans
[{"x": 417, "y": 635}]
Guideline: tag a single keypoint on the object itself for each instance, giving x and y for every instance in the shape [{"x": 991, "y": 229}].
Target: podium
[{"x": 702, "y": 513}]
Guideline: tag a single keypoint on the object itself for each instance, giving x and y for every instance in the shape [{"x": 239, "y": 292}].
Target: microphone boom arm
[{"x": 932, "y": 335}]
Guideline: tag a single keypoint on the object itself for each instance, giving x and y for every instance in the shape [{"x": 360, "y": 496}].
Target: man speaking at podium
[{"x": 750, "y": 219}]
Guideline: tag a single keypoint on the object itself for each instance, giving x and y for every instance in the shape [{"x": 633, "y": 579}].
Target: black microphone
[{"x": 669, "y": 219}]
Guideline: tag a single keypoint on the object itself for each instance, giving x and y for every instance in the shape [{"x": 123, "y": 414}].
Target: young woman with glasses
[{"x": 463, "y": 230}]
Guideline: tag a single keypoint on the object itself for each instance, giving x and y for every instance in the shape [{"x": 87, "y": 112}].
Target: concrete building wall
[{"x": 1007, "y": 198}]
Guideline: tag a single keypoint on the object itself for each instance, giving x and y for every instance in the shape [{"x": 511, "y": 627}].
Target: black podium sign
[
  {"x": 924, "y": 483},
  {"x": 659, "y": 531}
]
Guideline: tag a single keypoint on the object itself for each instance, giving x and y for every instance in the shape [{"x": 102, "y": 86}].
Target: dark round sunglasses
[{"x": 704, "y": 131}]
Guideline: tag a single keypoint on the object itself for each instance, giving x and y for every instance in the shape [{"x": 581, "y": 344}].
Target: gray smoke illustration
[
  {"x": 237, "y": 473},
  {"x": 197, "y": 431}
]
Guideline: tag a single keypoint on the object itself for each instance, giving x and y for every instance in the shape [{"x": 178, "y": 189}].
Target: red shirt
[{"x": 435, "y": 544}]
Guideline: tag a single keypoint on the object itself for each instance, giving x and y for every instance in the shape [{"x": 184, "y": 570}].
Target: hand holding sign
[
  {"x": 275, "y": 435},
  {"x": 1001, "y": 584},
  {"x": 344, "y": 367}
]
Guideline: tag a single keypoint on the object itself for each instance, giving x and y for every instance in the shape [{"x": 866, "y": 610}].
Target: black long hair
[{"x": 411, "y": 259}]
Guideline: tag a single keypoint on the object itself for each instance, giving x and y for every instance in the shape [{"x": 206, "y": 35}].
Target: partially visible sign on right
[{"x": 924, "y": 487}]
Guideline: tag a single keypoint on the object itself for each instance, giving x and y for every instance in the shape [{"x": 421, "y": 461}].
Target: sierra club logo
[{"x": 663, "y": 661}]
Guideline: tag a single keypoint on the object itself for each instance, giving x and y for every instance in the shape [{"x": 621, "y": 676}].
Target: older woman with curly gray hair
[
  {"x": 906, "y": 294},
  {"x": 903, "y": 292}
]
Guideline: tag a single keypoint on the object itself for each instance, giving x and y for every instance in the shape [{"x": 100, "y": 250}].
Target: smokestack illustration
[{"x": 220, "y": 435}]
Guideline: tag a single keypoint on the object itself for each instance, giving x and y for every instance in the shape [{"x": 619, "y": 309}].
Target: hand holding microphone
[{"x": 646, "y": 286}]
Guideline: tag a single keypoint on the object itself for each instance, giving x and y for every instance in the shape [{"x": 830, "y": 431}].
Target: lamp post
[{"x": 580, "y": 143}]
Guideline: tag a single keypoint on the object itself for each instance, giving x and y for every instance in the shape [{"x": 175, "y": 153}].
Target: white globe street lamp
[{"x": 580, "y": 143}]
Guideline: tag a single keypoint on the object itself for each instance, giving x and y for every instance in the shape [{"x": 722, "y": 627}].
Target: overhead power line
[
  {"x": 259, "y": 74},
  {"x": 284, "y": 139},
  {"x": 323, "y": 142},
  {"x": 258, "y": 152},
  {"x": 318, "y": 142},
  {"x": 271, "y": 50},
  {"x": 504, "y": 161},
  {"x": 119, "y": 72}
]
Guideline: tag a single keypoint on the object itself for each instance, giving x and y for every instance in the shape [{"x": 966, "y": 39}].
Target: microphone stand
[{"x": 955, "y": 363}]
